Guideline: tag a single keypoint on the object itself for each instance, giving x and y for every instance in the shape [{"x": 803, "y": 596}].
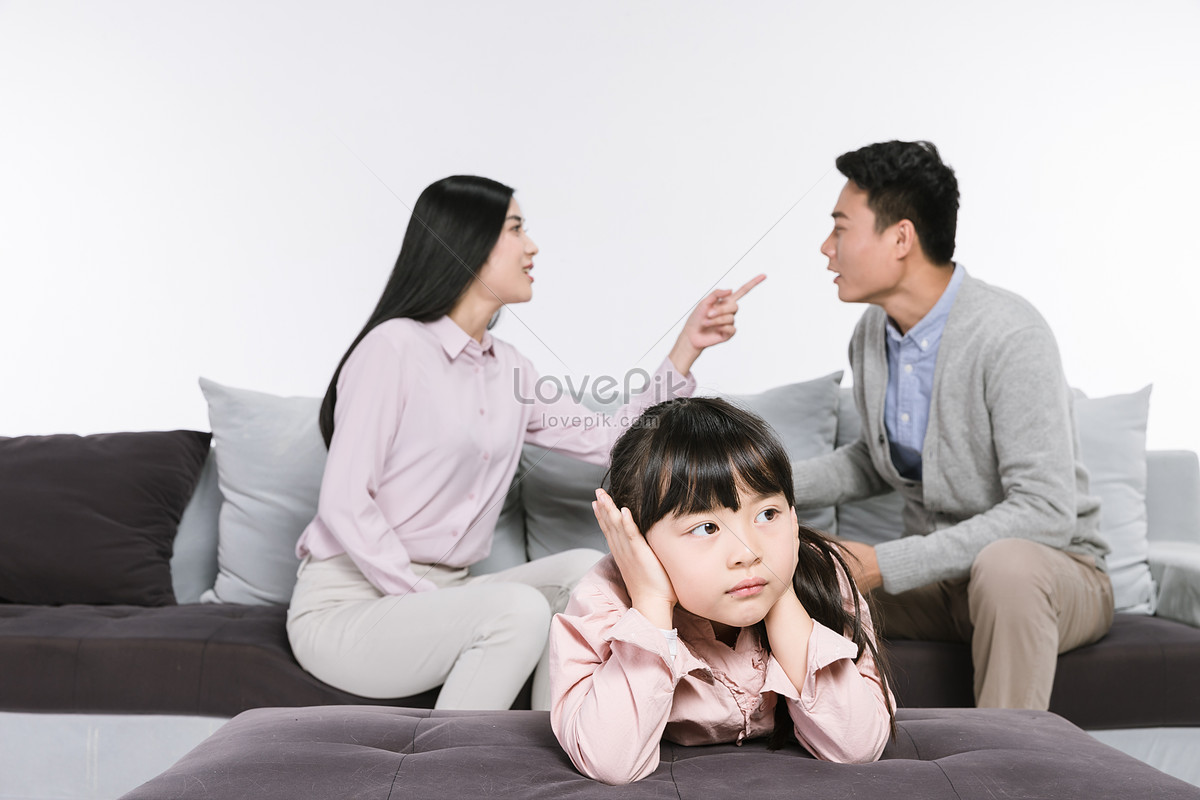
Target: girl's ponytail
[{"x": 819, "y": 589}]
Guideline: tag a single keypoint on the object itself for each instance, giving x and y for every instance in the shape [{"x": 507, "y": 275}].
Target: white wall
[{"x": 181, "y": 191}]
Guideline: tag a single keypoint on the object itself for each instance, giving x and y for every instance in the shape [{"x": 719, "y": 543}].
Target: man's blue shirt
[{"x": 911, "y": 362}]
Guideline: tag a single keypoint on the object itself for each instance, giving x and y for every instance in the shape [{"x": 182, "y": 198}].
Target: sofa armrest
[
  {"x": 1173, "y": 496},
  {"x": 1176, "y": 569}
]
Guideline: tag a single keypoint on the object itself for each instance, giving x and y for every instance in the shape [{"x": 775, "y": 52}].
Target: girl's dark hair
[
  {"x": 454, "y": 226},
  {"x": 691, "y": 455}
]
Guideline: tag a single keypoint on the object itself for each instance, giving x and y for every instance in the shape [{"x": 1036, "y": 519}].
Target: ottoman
[{"x": 375, "y": 753}]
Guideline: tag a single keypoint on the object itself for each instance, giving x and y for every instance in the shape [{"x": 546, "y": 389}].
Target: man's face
[{"x": 865, "y": 263}]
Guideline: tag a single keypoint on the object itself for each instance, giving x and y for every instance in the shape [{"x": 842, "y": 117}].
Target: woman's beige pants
[{"x": 478, "y": 637}]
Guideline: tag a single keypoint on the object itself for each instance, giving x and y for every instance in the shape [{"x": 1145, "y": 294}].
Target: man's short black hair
[{"x": 907, "y": 180}]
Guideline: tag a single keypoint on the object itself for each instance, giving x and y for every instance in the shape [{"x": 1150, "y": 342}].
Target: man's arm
[
  {"x": 1032, "y": 432},
  {"x": 842, "y": 476}
]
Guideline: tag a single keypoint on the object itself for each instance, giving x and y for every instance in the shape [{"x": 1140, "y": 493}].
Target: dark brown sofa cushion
[
  {"x": 223, "y": 659},
  {"x": 1135, "y": 677},
  {"x": 195, "y": 659},
  {"x": 92, "y": 519},
  {"x": 367, "y": 753}
]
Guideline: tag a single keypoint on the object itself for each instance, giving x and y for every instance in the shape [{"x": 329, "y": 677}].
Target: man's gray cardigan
[{"x": 1001, "y": 455}]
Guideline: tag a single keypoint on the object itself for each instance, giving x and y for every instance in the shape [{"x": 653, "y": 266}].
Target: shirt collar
[
  {"x": 455, "y": 340},
  {"x": 935, "y": 320}
]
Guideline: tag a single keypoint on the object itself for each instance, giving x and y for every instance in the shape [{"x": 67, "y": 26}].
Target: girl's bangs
[{"x": 708, "y": 471}]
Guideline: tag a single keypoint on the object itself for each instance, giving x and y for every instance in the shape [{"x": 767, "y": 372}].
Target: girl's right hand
[{"x": 649, "y": 587}]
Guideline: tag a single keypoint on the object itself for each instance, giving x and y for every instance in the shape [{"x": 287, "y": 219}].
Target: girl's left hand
[{"x": 711, "y": 322}]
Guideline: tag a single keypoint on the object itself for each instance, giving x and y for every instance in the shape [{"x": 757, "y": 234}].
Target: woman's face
[
  {"x": 505, "y": 275},
  {"x": 730, "y": 567}
]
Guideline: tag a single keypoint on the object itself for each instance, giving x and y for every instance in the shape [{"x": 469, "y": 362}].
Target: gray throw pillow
[
  {"x": 558, "y": 490},
  {"x": 194, "y": 562},
  {"x": 1112, "y": 439},
  {"x": 1176, "y": 568},
  {"x": 270, "y": 458},
  {"x": 874, "y": 520},
  {"x": 805, "y": 417}
]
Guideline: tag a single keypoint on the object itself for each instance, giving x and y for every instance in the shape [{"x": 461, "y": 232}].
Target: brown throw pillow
[{"x": 92, "y": 519}]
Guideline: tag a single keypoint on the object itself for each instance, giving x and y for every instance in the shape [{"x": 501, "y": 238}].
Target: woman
[{"x": 424, "y": 431}]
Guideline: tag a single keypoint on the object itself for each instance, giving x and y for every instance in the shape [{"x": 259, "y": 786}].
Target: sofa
[{"x": 148, "y": 608}]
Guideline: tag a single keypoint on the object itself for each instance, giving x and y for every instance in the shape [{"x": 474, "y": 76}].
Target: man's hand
[{"x": 864, "y": 567}]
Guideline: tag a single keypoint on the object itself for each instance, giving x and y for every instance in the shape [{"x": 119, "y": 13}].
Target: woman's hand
[
  {"x": 711, "y": 322},
  {"x": 649, "y": 588}
]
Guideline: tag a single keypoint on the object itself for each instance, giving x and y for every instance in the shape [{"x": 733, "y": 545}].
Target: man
[{"x": 965, "y": 412}]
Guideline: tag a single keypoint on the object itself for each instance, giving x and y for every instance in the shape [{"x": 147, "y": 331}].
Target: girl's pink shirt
[
  {"x": 616, "y": 694},
  {"x": 428, "y": 430}
]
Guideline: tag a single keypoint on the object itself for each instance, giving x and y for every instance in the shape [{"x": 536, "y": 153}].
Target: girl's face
[
  {"x": 505, "y": 275},
  {"x": 730, "y": 567}
]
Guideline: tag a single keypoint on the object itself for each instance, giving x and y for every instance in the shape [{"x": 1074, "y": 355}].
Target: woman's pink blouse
[{"x": 428, "y": 430}]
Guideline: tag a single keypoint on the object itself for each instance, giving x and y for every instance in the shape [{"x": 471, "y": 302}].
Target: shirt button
[
  {"x": 481, "y": 412},
  {"x": 924, "y": 343},
  {"x": 485, "y": 456},
  {"x": 471, "y": 496},
  {"x": 904, "y": 417},
  {"x": 908, "y": 367}
]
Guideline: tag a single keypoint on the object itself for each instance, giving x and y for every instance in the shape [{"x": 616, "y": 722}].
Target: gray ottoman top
[{"x": 375, "y": 753}]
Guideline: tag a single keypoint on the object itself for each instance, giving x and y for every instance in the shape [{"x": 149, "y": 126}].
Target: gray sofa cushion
[
  {"x": 876, "y": 519},
  {"x": 1172, "y": 499},
  {"x": 270, "y": 458},
  {"x": 1112, "y": 442},
  {"x": 194, "y": 562},
  {"x": 367, "y": 753},
  {"x": 805, "y": 417},
  {"x": 558, "y": 490},
  {"x": 1176, "y": 569},
  {"x": 1173, "y": 511}
]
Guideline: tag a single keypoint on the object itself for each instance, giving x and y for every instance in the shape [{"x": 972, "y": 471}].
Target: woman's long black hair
[
  {"x": 691, "y": 455},
  {"x": 454, "y": 226}
]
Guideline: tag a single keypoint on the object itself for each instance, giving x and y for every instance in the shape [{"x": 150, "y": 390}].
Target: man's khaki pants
[{"x": 1023, "y": 604}]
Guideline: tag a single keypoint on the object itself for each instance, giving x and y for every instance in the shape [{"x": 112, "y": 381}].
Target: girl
[
  {"x": 424, "y": 419},
  {"x": 726, "y": 620}
]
